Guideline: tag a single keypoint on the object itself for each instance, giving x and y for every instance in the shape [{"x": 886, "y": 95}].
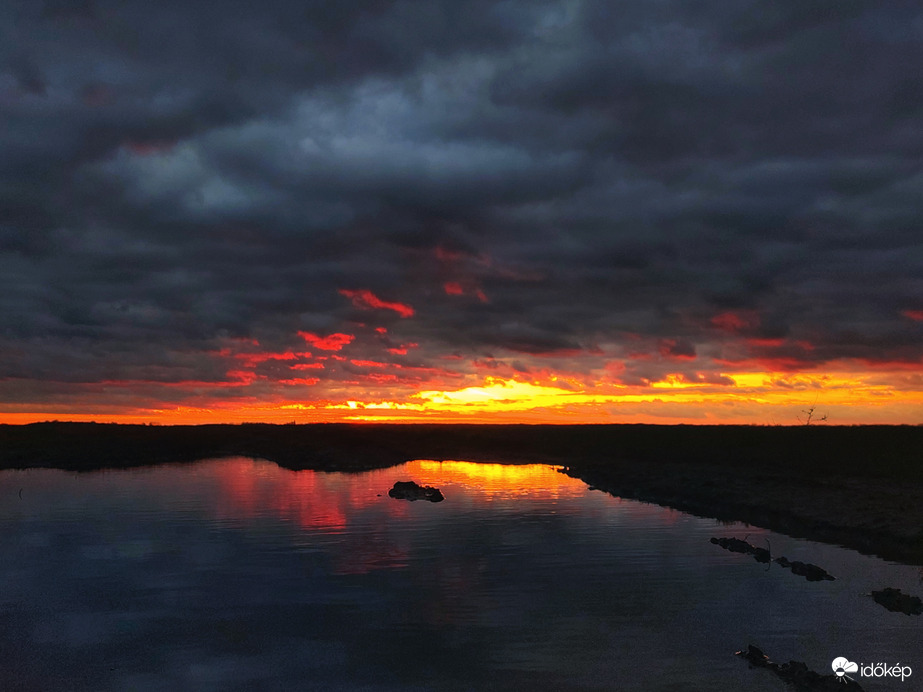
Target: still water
[{"x": 235, "y": 574}]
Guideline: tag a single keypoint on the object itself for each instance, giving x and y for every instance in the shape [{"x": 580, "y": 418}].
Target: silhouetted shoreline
[{"x": 857, "y": 486}]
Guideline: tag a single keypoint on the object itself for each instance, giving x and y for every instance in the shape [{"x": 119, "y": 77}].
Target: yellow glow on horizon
[
  {"x": 849, "y": 397},
  {"x": 675, "y": 382},
  {"x": 501, "y": 392},
  {"x": 795, "y": 380}
]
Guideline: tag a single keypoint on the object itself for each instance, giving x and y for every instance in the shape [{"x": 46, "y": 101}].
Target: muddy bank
[
  {"x": 877, "y": 516},
  {"x": 858, "y": 486}
]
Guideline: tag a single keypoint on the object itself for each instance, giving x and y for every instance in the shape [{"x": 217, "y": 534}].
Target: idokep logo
[{"x": 841, "y": 666}]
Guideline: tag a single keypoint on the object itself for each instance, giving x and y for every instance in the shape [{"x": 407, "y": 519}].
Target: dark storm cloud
[{"x": 532, "y": 178}]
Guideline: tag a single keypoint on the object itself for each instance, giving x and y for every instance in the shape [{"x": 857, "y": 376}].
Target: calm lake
[{"x": 235, "y": 574}]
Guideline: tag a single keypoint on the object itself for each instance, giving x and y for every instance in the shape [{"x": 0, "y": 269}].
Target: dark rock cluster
[
  {"x": 898, "y": 602},
  {"x": 802, "y": 569},
  {"x": 736, "y": 545},
  {"x": 408, "y": 490},
  {"x": 805, "y": 569},
  {"x": 796, "y": 674}
]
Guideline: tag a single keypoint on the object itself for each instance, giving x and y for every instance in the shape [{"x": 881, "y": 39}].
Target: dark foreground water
[{"x": 238, "y": 575}]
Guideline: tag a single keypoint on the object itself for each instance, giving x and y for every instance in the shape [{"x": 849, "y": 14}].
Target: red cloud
[
  {"x": 454, "y": 288},
  {"x": 766, "y": 343},
  {"x": 252, "y": 359},
  {"x": 915, "y": 315},
  {"x": 334, "y": 342},
  {"x": 735, "y": 322},
  {"x": 300, "y": 381},
  {"x": 241, "y": 377},
  {"x": 446, "y": 255},
  {"x": 366, "y": 299},
  {"x": 381, "y": 378},
  {"x": 402, "y": 349},
  {"x": 674, "y": 349}
]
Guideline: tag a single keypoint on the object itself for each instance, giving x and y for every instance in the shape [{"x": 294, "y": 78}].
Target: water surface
[{"x": 235, "y": 574}]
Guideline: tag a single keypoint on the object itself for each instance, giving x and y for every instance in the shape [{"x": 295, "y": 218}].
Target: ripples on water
[{"x": 236, "y": 574}]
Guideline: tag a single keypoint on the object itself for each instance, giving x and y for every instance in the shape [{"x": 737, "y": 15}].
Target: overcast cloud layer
[{"x": 196, "y": 193}]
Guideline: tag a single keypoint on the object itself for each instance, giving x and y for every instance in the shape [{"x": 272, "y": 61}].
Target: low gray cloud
[{"x": 533, "y": 179}]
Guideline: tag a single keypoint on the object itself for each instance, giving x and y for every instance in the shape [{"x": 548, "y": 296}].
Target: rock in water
[
  {"x": 408, "y": 490},
  {"x": 736, "y": 545},
  {"x": 806, "y": 570},
  {"x": 755, "y": 656},
  {"x": 803, "y": 569},
  {"x": 797, "y": 675},
  {"x": 898, "y": 602},
  {"x": 810, "y": 572}
]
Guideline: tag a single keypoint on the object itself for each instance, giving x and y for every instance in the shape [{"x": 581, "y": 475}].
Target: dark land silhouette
[{"x": 857, "y": 486}]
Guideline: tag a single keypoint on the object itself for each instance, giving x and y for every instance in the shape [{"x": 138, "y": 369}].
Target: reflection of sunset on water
[
  {"x": 326, "y": 501},
  {"x": 495, "y": 481},
  {"x": 250, "y": 488},
  {"x": 354, "y": 507},
  {"x": 522, "y": 578},
  {"x": 374, "y": 531}
]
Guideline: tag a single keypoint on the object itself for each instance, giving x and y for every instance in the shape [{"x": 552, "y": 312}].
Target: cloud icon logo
[{"x": 841, "y": 666}]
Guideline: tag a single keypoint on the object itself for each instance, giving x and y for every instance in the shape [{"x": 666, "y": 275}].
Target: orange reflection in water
[
  {"x": 318, "y": 500},
  {"x": 490, "y": 482},
  {"x": 353, "y": 506}
]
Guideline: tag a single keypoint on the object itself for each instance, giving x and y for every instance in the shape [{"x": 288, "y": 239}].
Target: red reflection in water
[
  {"x": 326, "y": 501},
  {"x": 251, "y": 488},
  {"x": 330, "y": 503},
  {"x": 353, "y": 507}
]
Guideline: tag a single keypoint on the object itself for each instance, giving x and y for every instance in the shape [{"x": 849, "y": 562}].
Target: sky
[{"x": 658, "y": 211}]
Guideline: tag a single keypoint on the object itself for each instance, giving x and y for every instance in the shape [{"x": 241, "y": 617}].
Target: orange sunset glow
[
  {"x": 327, "y": 384},
  {"x": 369, "y": 372},
  {"x": 619, "y": 279},
  {"x": 529, "y": 214}
]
